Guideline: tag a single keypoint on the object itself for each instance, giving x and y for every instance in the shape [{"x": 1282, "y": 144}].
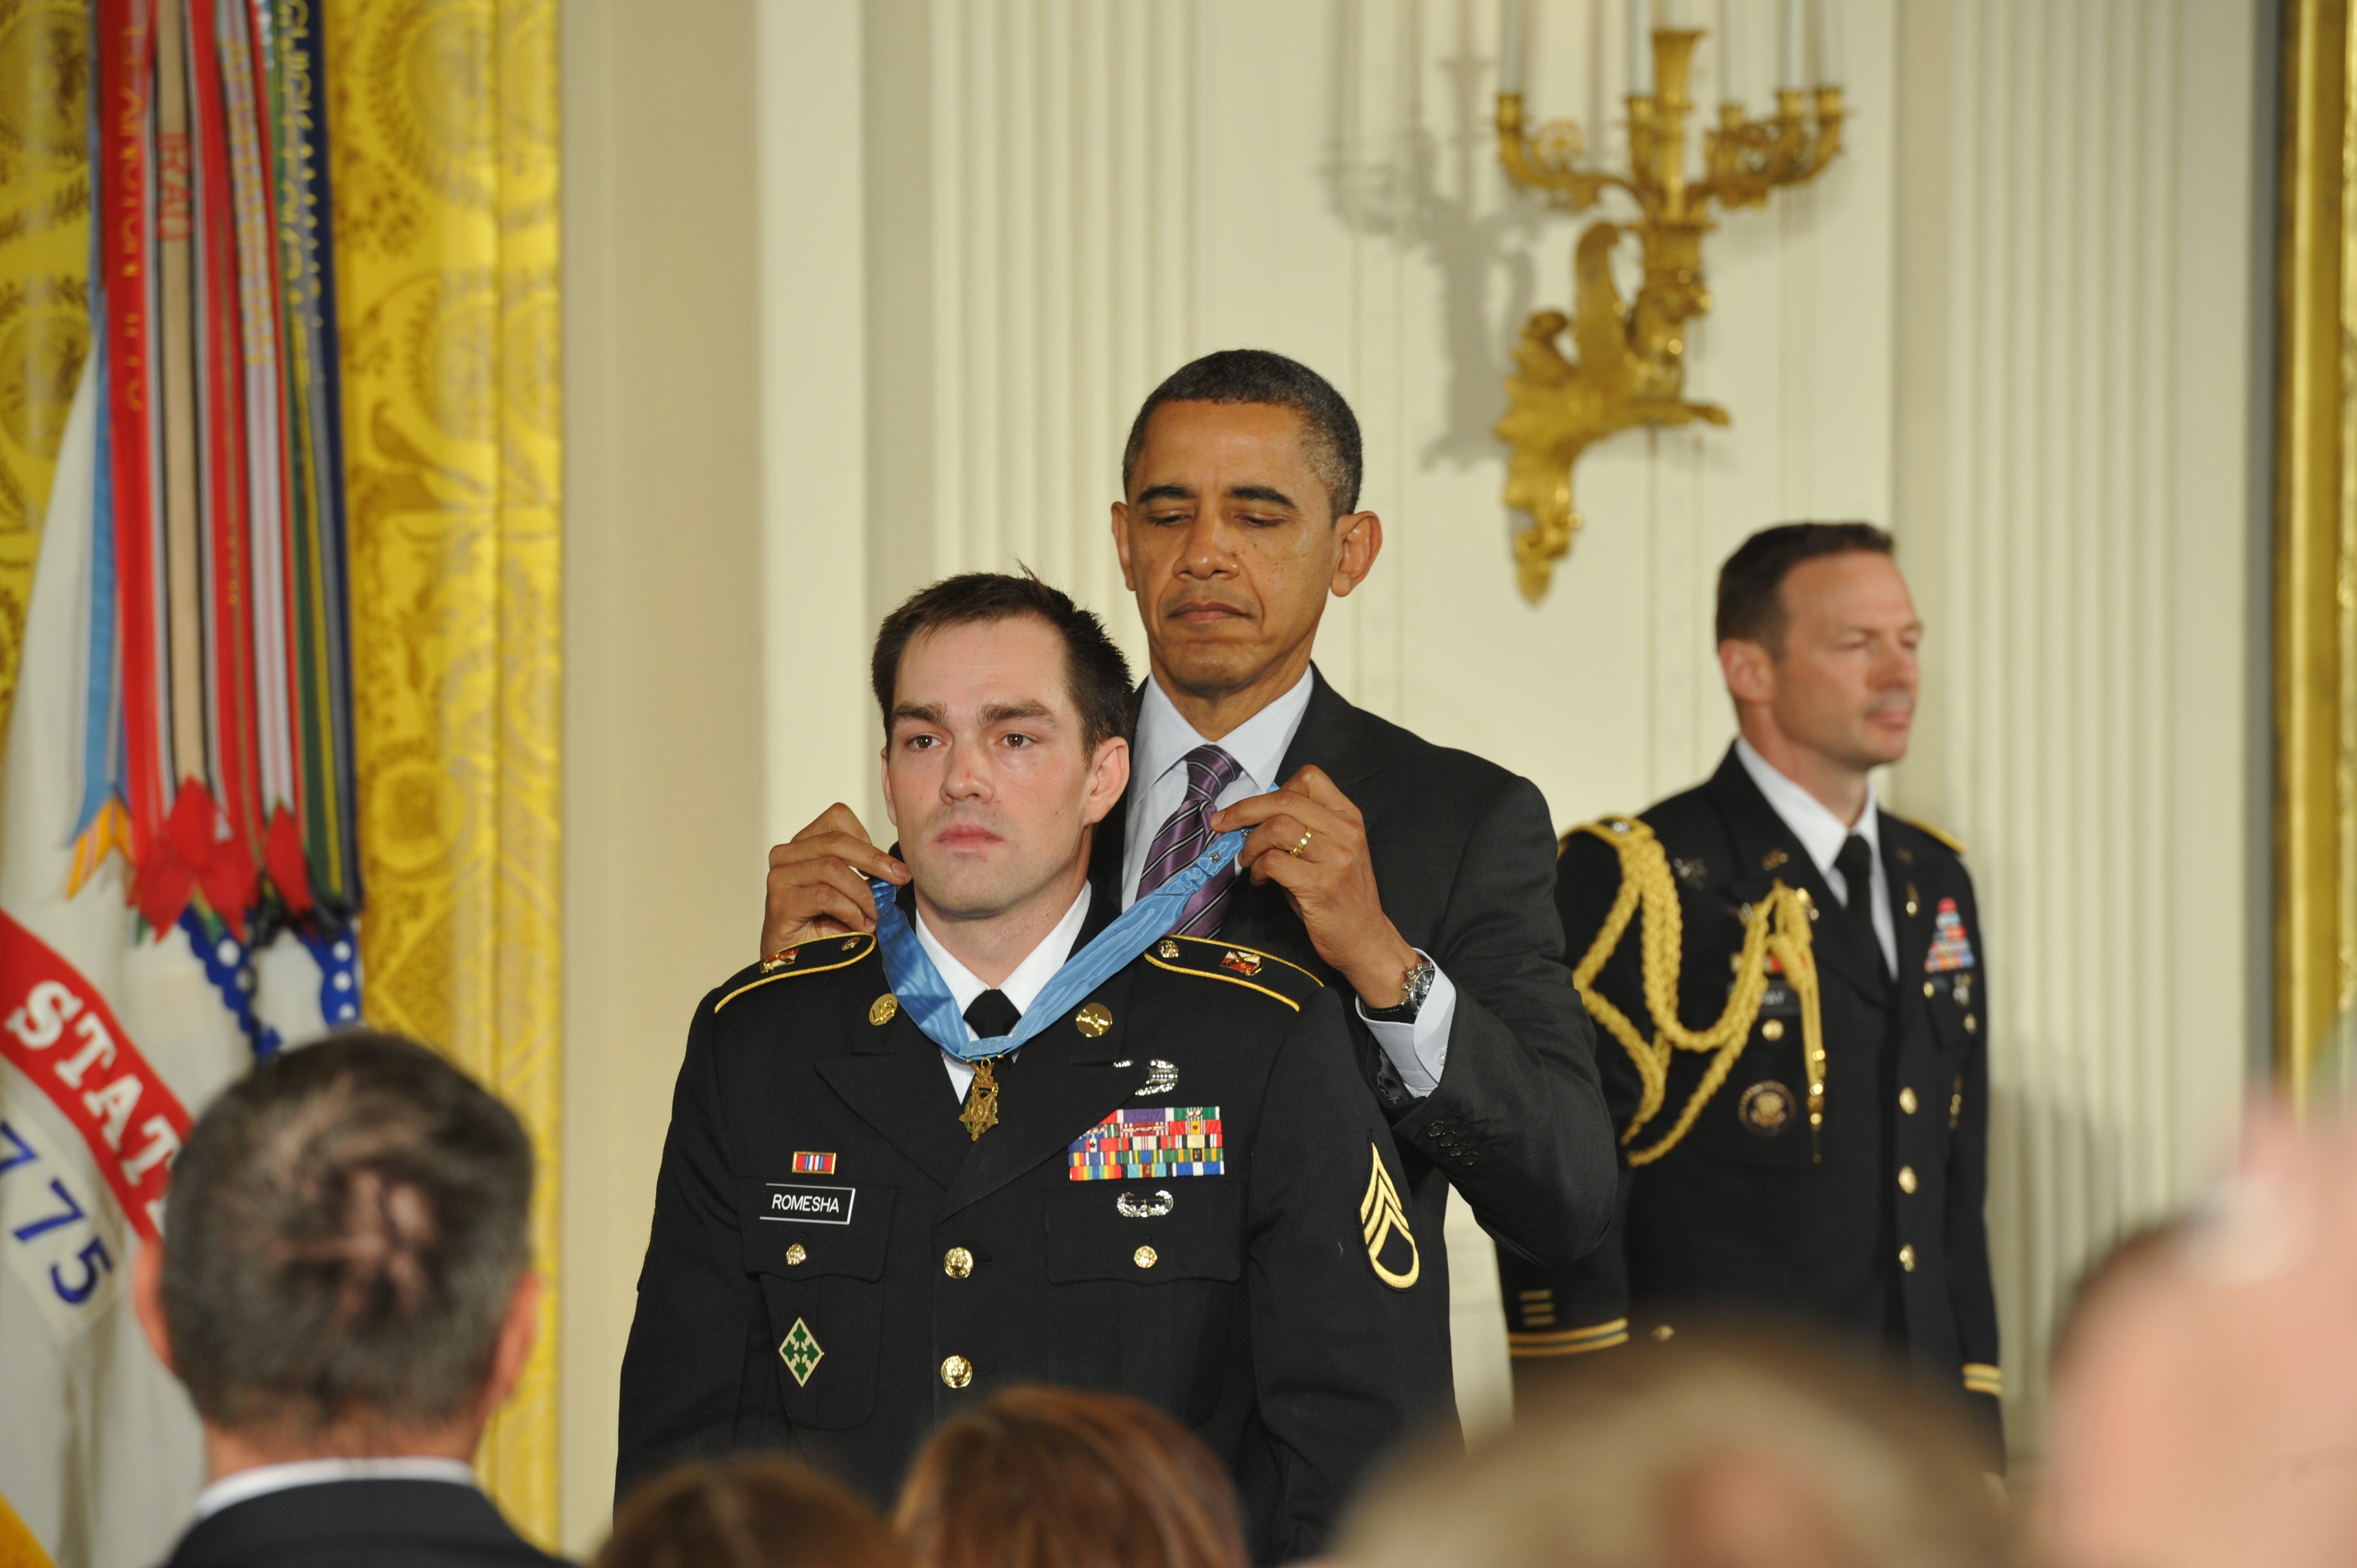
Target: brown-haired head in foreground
[
  {"x": 1736, "y": 1450},
  {"x": 1751, "y": 583},
  {"x": 346, "y": 1232},
  {"x": 1044, "y": 1477},
  {"x": 1095, "y": 674},
  {"x": 756, "y": 1510}
]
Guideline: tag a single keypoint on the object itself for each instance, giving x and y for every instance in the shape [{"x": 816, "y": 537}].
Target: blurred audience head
[
  {"x": 2204, "y": 1405},
  {"x": 1044, "y": 1477},
  {"x": 346, "y": 1270},
  {"x": 1710, "y": 1452},
  {"x": 758, "y": 1510}
]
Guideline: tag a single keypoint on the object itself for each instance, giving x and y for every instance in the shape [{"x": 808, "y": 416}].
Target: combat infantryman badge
[
  {"x": 1380, "y": 1219},
  {"x": 800, "y": 1351}
]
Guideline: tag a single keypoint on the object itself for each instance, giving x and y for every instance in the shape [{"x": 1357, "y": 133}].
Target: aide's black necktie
[
  {"x": 1855, "y": 863},
  {"x": 991, "y": 1015}
]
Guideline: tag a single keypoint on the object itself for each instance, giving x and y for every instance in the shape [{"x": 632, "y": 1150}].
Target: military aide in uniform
[
  {"x": 1794, "y": 980},
  {"x": 872, "y": 1215}
]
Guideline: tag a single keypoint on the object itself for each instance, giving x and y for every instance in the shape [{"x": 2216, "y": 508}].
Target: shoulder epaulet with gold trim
[
  {"x": 1211, "y": 958},
  {"x": 1951, "y": 840},
  {"x": 813, "y": 956}
]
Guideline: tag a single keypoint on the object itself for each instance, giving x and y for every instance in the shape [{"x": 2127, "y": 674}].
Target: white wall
[{"x": 2074, "y": 390}]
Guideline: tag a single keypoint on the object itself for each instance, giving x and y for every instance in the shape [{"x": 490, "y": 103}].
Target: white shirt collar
[
  {"x": 243, "y": 1486},
  {"x": 1030, "y": 978},
  {"x": 1820, "y": 832},
  {"x": 1258, "y": 744}
]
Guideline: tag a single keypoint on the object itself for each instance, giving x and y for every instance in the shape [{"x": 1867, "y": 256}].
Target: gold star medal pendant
[{"x": 980, "y": 1113}]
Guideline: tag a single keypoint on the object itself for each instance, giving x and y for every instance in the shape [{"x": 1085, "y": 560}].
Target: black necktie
[
  {"x": 1855, "y": 863},
  {"x": 991, "y": 1015}
]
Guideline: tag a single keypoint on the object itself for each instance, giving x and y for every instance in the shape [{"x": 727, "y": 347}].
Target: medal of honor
[{"x": 925, "y": 996}]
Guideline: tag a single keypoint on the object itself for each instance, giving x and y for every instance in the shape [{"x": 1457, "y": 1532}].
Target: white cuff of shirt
[{"x": 1418, "y": 1048}]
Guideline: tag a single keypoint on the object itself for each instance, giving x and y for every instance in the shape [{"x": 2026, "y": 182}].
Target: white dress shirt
[
  {"x": 1021, "y": 987},
  {"x": 1821, "y": 834},
  {"x": 242, "y": 1486},
  {"x": 1418, "y": 1050}
]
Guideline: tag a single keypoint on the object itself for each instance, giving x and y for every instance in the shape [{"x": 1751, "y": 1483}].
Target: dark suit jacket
[
  {"x": 821, "y": 1311},
  {"x": 360, "y": 1524},
  {"x": 1877, "y": 1234},
  {"x": 1464, "y": 855}
]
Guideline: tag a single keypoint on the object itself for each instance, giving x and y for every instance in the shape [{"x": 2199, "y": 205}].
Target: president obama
[{"x": 1417, "y": 880}]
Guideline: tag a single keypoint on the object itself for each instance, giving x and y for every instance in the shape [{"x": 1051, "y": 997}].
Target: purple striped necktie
[{"x": 1188, "y": 834}]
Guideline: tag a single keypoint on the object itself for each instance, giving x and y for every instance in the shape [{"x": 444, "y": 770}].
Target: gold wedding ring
[{"x": 1306, "y": 835}]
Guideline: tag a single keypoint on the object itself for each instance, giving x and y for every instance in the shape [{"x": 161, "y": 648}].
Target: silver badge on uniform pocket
[
  {"x": 1132, "y": 1206},
  {"x": 1161, "y": 1077}
]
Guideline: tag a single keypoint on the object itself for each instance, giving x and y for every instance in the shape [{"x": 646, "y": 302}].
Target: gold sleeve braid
[{"x": 1777, "y": 926}]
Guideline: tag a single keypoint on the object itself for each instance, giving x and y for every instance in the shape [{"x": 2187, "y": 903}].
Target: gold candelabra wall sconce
[{"x": 1631, "y": 364}]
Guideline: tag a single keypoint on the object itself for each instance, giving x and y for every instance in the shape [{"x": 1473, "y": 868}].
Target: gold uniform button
[
  {"x": 795, "y": 1254},
  {"x": 1929, "y": 988},
  {"x": 1906, "y": 1259},
  {"x": 957, "y": 1371},
  {"x": 1907, "y": 1100},
  {"x": 1907, "y": 1178},
  {"x": 1773, "y": 1029},
  {"x": 1663, "y": 1331},
  {"x": 1972, "y": 1023},
  {"x": 1146, "y": 1257},
  {"x": 957, "y": 1262}
]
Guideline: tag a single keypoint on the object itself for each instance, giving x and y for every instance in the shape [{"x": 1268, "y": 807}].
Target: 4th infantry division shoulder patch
[{"x": 801, "y": 1352}]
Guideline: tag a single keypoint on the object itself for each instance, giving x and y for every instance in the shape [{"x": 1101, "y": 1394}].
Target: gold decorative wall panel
[
  {"x": 2316, "y": 549},
  {"x": 45, "y": 79},
  {"x": 443, "y": 118}
]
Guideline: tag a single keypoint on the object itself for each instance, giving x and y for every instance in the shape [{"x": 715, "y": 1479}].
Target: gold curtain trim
[{"x": 2315, "y": 630}]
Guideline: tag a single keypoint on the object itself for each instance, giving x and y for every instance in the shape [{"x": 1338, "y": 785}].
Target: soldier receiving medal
[
  {"x": 1796, "y": 1003},
  {"x": 1019, "y": 1134}
]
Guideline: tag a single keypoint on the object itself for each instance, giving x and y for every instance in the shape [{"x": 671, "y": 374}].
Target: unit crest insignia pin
[
  {"x": 1772, "y": 859},
  {"x": 1241, "y": 962},
  {"x": 782, "y": 958},
  {"x": 801, "y": 1352},
  {"x": 1690, "y": 872},
  {"x": 1766, "y": 1108}
]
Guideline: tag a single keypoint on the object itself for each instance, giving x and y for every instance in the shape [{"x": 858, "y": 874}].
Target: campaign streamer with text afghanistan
[{"x": 178, "y": 875}]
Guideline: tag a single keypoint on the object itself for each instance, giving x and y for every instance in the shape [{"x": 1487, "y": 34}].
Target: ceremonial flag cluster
[
  {"x": 178, "y": 870},
  {"x": 217, "y": 750}
]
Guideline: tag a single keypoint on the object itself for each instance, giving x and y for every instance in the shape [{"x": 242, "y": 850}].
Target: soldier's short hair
[
  {"x": 347, "y": 1224},
  {"x": 1094, "y": 670},
  {"x": 1257, "y": 375},
  {"x": 1751, "y": 583}
]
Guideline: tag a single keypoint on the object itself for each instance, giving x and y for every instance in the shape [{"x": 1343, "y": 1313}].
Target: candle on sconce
[
  {"x": 1730, "y": 54},
  {"x": 1510, "y": 46},
  {"x": 1829, "y": 63},
  {"x": 1641, "y": 49},
  {"x": 1793, "y": 72}
]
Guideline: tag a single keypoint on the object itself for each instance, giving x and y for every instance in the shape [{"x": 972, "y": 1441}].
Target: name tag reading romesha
[{"x": 809, "y": 1204}]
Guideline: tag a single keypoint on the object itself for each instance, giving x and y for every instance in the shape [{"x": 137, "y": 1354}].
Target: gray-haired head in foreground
[
  {"x": 347, "y": 1226},
  {"x": 1704, "y": 1452}
]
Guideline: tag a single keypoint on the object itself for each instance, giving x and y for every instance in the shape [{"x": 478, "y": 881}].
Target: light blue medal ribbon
[{"x": 925, "y": 995}]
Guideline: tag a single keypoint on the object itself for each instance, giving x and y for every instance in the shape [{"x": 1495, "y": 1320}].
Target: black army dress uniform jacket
[
  {"x": 837, "y": 1267},
  {"x": 372, "y": 1523},
  {"x": 1463, "y": 854},
  {"x": 1875, "y": 1227}
]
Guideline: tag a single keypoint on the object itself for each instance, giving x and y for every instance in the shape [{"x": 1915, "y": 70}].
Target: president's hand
[
  {"x": 1331, "y": 883},
  {"x": 818, "y": 883}
]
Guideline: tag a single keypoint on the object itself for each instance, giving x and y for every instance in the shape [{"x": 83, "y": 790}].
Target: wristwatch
[{"x": 1417, "y": 985}]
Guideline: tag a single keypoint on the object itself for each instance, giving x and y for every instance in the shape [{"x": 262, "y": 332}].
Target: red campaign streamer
[
  {"x": 227, "y": 874},
  {"x": 126, "y": 50},
  {"x": 57, "y": 1029}
]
